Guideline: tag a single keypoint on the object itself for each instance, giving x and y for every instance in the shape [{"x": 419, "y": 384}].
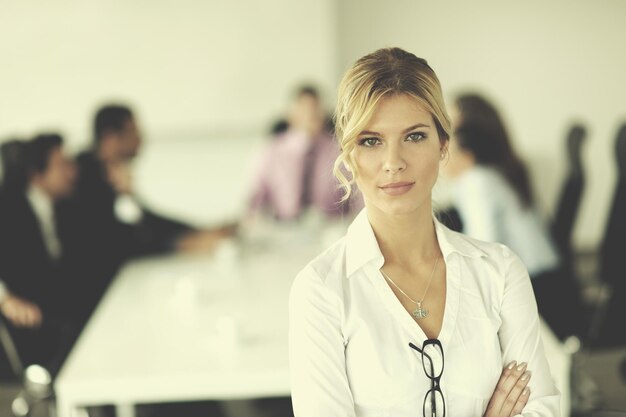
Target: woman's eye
[
  {"x": 369, "y": 142},
  {"x": 416, "y": 136}
]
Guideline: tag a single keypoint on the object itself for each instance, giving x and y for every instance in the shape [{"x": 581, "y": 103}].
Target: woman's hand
[{"x": 511, "y": 394}]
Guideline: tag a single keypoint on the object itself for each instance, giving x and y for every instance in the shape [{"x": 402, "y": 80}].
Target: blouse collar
[{"x": 362, "y": 247}]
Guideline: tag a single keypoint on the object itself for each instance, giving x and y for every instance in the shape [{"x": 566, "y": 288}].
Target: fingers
[
  {"x": 22, "y": 313},
  {"x": 516, "y": 392},
  {"x": 17, "y": 316},
  {"x": 521, "y": 402},
  {"x": 11, "y": 315},
  {"x": 33, "y": 316},
  {"x": 501, "y": 391},
  {"x": 10, "y": 312},
  {"x": 508, "y": 392}
]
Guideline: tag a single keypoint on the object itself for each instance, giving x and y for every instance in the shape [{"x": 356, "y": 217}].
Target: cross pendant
[{"x": 419, "y": 313}]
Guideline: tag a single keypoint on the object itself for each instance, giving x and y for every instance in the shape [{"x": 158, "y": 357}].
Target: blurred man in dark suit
[
  {"x": 35, "y": 292},
  {"x": 110, "y": 221}
]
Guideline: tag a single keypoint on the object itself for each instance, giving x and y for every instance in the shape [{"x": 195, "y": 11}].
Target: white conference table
[{"x": 184, "y": 328}]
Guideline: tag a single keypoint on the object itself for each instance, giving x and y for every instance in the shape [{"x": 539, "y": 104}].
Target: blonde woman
[{"x": 403, "y": 317}]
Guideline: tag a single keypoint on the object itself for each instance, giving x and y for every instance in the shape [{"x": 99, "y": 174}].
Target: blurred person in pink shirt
[{"x": 295, "y": 171}]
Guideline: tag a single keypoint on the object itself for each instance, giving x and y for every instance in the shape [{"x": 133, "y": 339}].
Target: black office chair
[
  {"x": 35, "y": 380},
  {"x": 561, "y": 229},
  {"x": 10, "y": 350},
  {"x": 451, "y": 218},
  {"x": 571, "y": 193},
  {"x": 614, "y": 243},
  {"x": 608, "y": 329}
]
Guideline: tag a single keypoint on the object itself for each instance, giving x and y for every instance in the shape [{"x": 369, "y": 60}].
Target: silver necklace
[{"x": 419, "y": 313}]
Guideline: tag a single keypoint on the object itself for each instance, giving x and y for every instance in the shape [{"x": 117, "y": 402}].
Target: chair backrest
[
  {"x": 451, "y": 218},
  {"x": 613, "y": 251},
  {"x": 571, "y": 193}
]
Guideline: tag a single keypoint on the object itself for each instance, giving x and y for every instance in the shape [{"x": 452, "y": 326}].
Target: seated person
[
  {"x": 295, "y": 169},
  {"x": 492, "y": 193},
  {"x": 34, "y": 286},
  {"x": 112, "y": 223}
]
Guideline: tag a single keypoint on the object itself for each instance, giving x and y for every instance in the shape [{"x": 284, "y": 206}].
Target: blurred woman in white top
[
  {"x": 491, "y": 191},
  {"x": 403, "y": 317}
]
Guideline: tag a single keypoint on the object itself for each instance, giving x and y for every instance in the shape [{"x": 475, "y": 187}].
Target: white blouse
[{"x": 349, "y": 334}]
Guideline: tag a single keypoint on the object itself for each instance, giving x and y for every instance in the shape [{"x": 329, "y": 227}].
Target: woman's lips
[{"x": 397, "y": 188}]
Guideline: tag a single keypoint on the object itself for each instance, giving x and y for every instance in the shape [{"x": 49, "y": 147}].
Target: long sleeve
[
  {"x": 319, "y": 384},
  {"x": 157, "y": 234},
  {"x": 520, "y": 338}
]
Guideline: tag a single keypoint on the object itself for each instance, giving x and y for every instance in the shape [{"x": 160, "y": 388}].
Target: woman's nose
[{"x": 394, "y": 162}]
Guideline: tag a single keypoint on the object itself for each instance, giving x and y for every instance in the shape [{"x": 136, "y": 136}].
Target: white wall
[
  {"x": 544, "y": 63},
  {"x": 186, "y": 65},
  {"x": 200, "y": 70},
  {"x": 203, "y": 182},
  {"x": 206, "y": 78}
]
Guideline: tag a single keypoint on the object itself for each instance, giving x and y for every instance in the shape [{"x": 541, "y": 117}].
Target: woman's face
[{"x": 397, "y": 157}]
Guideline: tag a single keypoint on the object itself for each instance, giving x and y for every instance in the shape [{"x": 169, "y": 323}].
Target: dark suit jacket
[
  {"x": 103, "y": 242},
  {"x": 29, "y": 272},
  {"x": 25, "y": 265}
]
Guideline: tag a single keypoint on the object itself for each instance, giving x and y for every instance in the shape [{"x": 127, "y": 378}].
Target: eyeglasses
[{"x": 432, "y": 362}]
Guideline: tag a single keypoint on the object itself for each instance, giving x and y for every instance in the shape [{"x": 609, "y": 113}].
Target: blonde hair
[{"x": 385, "y": 72}]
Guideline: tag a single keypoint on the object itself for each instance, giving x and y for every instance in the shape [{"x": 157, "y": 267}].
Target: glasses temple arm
[{"x": 430, "y": 360}]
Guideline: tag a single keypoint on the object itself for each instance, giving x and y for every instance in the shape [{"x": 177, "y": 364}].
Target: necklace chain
[{"x": 432, "y": 274}]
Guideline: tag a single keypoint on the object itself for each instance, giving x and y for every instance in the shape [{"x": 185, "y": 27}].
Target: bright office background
[{"x": 207, "y": 78}]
